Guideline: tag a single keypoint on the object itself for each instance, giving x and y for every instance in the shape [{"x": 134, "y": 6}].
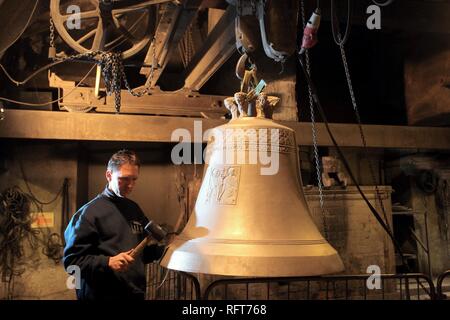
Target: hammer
[{"x": 154, "y": 231}]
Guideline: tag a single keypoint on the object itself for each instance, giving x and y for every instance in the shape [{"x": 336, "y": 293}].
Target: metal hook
[
  {"x": 282, "y": 68},
  {"x": 240, "y": 66}
]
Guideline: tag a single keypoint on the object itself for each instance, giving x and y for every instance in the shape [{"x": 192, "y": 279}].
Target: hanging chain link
[
  {"x": 186, "y": 47},
  {"x": 350, "y": 86},
  {"x": 52, "y": 33},
  {"x": 190, "y": 45},
  {"x": 52, "y": 48},
  {"x": 112, "y": 69},
  {"x": 314, "y": 133},
  {"x": 358, "y": 118},
  {"x": 154, "y": 66}
]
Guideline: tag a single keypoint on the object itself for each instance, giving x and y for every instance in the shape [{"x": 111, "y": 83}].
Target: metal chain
[
  {"x": 314, "y": 134},
  {"x": 190, "y": 45},
  {"x": 111, "y": 64},
  {"x": 52, "y": 33},
  {"x": 181, "y": 51},
  {"x": 112, "y": 68},
  {"x": 113, "y": 72},
  {"x": 186, "y": 47},
  {"x": 148, "y": 88},
  {"x": 358, "y": 118},
  {"x": 52, "y": 48}
]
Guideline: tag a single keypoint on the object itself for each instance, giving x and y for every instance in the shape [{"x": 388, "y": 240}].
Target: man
[{"x": 102, "y": 234}]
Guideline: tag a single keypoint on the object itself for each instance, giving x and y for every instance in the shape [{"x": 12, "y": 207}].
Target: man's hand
[{"x": 121, "y": 262}]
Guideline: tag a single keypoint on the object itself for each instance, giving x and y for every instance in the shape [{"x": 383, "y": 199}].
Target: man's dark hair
[{"x": 122, "y": 157}]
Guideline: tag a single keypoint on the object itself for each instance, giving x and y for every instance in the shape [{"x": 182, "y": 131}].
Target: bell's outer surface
[{"x": 248, "y": 224}]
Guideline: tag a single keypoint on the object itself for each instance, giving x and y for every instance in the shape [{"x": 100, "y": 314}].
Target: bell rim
[{"x": 251, "y": 266}]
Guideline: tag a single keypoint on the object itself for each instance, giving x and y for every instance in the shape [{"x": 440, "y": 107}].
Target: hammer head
[{"x": 155, "y": 230}]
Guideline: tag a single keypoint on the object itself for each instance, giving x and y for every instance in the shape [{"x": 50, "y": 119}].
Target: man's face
[{"x": 122, "y": 181}]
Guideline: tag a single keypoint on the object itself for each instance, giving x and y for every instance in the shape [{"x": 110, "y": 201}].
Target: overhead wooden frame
[{"x": 27, "y": 124}]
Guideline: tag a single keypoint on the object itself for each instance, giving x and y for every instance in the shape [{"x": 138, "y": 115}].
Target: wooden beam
[
  {"x": 52, "y": 125},
  {"x": 377, "y": 136}
]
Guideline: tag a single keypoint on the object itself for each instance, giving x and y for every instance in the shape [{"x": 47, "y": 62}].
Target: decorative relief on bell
[
  {"x": 265, "y": 105},
  {"x": 241, "y": 105},
  {"x": 252, "y": 139},
  {"x": 223, "y": 185},
  {"x": 285, "y": 138},
  {"x": 231, "y": 105}
]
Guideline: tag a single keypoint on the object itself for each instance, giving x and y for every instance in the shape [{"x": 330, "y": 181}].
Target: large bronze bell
[{"x": 249, "y": 221}]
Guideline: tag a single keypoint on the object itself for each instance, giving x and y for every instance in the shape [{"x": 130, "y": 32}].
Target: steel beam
[
  {"x": 174, "y": 103},
  {"x": 173, "y": 24},
  {"x": 29, "y": 124},
  {"x": 178, "y": 103},
  {"x": 216, "y": 50}
]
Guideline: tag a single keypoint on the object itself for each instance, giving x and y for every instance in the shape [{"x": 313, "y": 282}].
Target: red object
[
  {"x": 310, "y": 32},
  {"x": 309, "y": 38}
]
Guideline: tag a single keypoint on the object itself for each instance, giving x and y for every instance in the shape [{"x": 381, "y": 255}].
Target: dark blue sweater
[{"x": 102, "y": 228}]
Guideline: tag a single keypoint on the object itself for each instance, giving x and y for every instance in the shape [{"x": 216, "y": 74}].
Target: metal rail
[
  {"x": 165, "y": 284},
  {"x": 408, "y": 286},
  {"x": 439, "y": 283}
]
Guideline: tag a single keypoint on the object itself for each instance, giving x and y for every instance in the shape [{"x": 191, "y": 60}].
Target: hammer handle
[{"x": 140, "y": 246}]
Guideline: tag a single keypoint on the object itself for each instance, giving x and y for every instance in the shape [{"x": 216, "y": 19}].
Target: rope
[
  {"x": 53, "y": 101},
  {"x": 15, "y": 226},
  {"x": 24, "y": 28},
  {"x": 113, "y": 72},
  {"x": 16, "y": 231}
]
